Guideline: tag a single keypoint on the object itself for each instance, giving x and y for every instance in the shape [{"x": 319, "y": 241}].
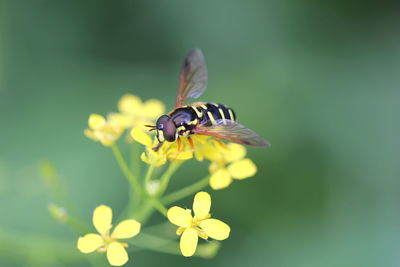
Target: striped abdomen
[{"x": 209, "y": 113}]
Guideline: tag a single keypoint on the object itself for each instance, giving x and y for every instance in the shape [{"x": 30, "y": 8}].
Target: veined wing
[
  {"x": 232, "y": 132},
  {"x": 193, "y": 77}
]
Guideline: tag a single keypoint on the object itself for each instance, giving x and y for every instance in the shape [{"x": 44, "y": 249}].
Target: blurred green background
[{"x": 319, "y": 79}]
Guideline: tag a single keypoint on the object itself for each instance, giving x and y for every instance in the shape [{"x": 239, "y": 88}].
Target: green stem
[
  {"x": 186, "y": 191},
  {"x": 132, "y": 179},
  {"x": 135, "y": 162},
  {"x": 159, "y": 206},
  {"x": 148, "y": 176},
  {"x": 144, "y": 212},
  {"x": 166, "y": 177}
]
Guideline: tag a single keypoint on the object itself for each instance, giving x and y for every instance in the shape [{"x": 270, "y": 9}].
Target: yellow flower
[
  {"x": 167, "y": 151},
  {"x": 106, "y": 131},
  {"x": 106, "y": 242},
  {"x": 207, "y": 148},
  {"x": 201, "y": 225},
  {"x": 134, "y": 112},
  {"x": 231, "y": 165}
]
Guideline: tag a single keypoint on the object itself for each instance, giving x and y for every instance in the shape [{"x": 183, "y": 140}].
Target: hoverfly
[{"x": 204, "y": 118}]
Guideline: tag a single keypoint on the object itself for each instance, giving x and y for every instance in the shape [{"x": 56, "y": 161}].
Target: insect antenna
[{"x": 152, "y": 127}]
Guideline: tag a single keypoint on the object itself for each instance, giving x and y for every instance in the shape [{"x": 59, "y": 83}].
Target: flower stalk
[
  {"x": 132, "y": 179},
  {"x": 186, "y": 191}
]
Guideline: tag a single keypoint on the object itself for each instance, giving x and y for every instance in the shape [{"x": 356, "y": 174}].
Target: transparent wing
[
  {"x": 232, "y": 132},
  {"x": 193, "y": 77}
]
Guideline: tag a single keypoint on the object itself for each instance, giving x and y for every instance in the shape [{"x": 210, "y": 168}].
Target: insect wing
[
  {"x": 232, "y": 132},
  {"x": 193, "y": 77}
]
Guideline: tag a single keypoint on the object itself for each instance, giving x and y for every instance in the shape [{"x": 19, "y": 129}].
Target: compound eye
[{"x": 169, "y": 131}]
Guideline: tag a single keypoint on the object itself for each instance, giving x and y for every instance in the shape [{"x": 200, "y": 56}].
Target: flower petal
[
  {"x": 116, "y": 254},
  {"x": 130, "y": 105},
  {"x": 220, "y": 179},
  {"x": 208, "y": 151},
  {"x": 139, "y": 135},
  {"x": 215, "y": 229},
  {"x": 154, "y": 108},
  {"x": 89, "y": 243},
  {"x": 201, "y": 205},
  {"x": 242, "y": 169},
  {"x": 90, "y": 134},
  {"x": 188, "y": 243},
  {"x": 152, "y": 158},
  {"x": 180, "y": 230},
  {"x": 126, "y": 229},
  {"x": 183, "y": 155},
  {"x": 180, "y": 216},
  {"x": 234, "y": 152},
  {"x": 119, "y": 120},
  {"x": 96, "y": 121},
  {"x": 102, "y": 217}
]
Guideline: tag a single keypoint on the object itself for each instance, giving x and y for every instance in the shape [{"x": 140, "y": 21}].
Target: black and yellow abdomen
[{"x": 210, "y": 113}]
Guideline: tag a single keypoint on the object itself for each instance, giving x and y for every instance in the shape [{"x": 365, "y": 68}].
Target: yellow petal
[
  {"x": 119, "y": 120},
  {"x": 154, "y": 108},
  {"x": 116, "y": 254},
  {"x": 188, "y": 243},
  {"x": 215, "y": 229},
  {"x": 130, "y": 105},
  {"x": 106, "y": 142},
  {"x": 198, "y": 153},
  {"x": 220, "y": 179},
  {"x": 215, "y": 166},
  {"x": 212, "y": 151},
  {"x": 234, "y": 152},
  {"x": 183, "y": 155},
  {"x": 102, "y": 217},
  {"x": 198, "y": 138},
  {"x": 202, "y": 235},
  {"x": 90, "y": 134},
  {"x": 203, "y": 147},
  {"x": 89, "y": 243},
  {"x": 201, "y": 205},
  {"x": 179, "y": 216},
  {"x": 141, "y": 137},
  {"x": 152, "y": 158},
  {"x": 180, "y": 230},
  {"x": 126, "y": 229},
  {"x": 242, "y": 169},
  {"x": 96, "y": 121}
]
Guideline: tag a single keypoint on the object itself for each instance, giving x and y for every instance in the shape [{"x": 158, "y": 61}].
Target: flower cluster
[
  {"x": 159, "y": 158},
  {"x": 230, "y": 164},
  {"x": 132, "y": 112},
  {"x": 106, "y": 131},
  {"x": 227, "y": 162}
]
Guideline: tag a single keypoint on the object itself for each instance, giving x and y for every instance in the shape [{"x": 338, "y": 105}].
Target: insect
[{"x": 204, "y": 118}]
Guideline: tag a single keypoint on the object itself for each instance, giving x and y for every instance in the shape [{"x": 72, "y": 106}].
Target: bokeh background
[{"x": 319, "y": 79}]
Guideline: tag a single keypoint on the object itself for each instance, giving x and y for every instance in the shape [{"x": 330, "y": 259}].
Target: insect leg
[
  {"x": 179, "y": 149},
  {"x": 156, "y": 148},
  {"x": 179, "y": 144},
  {"x": 191, "y": 143}
]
